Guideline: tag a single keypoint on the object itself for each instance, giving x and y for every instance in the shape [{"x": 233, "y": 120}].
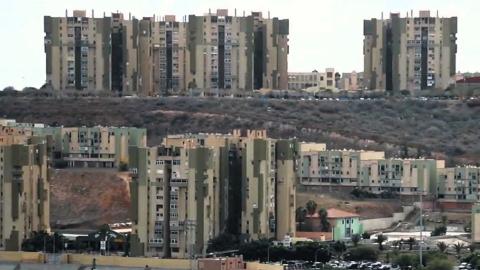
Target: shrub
[
  {"x": 440, "y": 230},
  {"x": 362, "y": 253}
]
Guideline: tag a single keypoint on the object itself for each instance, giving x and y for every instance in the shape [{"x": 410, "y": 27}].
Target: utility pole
[
  {"x": 44, "y": 248},
  {"x": 268, "y": 253},
  {"x": 421, "y": 229}
]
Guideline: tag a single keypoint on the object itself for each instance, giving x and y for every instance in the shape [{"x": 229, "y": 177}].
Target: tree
[
  {"x": 411, "y": 241},
  {"x": 224, "y": 241},
  {"x": 300, "y": 216},
  {"x": 380, "y": 239},
  {"x": 355, "y": 239},
  {"x": 309, "y": 251},
  {"x": 311, "y": 207},
  {"x": 405, "y": 261},
  {"x": 442, "y": 246},
  {"x": 362, "y": 253},
  {"x": 38, "y": 241},
  {"x": 458, "y": 247},
  {"x": 366, "y": 235},
  {"x": 440, "y": 265},
  {"x": 444, "y": 220},
  {"x": 323, "y": 215},
  {"x": 396, "y": 244},
  {"x": 440, "y": 230},
  {"x": 338, "y": 247}
]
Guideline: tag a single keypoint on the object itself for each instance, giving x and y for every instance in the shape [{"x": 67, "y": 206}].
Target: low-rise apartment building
[
  {"x": 312, "y": 81},
  {"x": 369, "y": 170},
  {"x": 24, "y": 177},
  {"x": 200, "y": 185},
  {"x": 98, "y": 146},
  {"x": 340, "y": 167},
  {"x": 459, "y": 184},
  {"x": 402, "y": 176}
]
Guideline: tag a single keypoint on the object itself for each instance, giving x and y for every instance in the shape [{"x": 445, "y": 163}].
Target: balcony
[
  {"x": 177, "y": 182},
  {"x": 155, "y": 242}
]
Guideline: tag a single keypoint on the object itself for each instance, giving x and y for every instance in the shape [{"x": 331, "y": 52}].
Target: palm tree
[
  {"x": 411, "y": 241},
  {"x": 323, "y": 215},
  {"x": 442, "y": 247},
  {"x": 300, "y": 216},
  {"x": 355, "y": 239},
  {"x": 380, "y": 239},
  {"x": 458, "y": 247},
  {"x": 311, "y": 207},
  {"x": 472, "y": 248},
  {"x": 396, "y": 244}
]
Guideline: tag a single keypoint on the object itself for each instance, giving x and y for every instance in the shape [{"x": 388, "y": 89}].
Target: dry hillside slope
[{"x": 88, "y": 198}]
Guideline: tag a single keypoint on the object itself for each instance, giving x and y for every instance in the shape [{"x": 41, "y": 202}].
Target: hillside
[
  {"x": 400, "y": 127},
  {"x": 88, "y": 198}
]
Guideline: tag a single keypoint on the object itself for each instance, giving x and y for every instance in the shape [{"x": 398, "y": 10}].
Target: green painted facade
[{"x": 344, "y": 228}]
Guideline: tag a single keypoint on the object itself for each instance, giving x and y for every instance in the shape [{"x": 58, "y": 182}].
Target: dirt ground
[
  {"x": 88, "y": 198},
  {"x": 373, "y": 208}
]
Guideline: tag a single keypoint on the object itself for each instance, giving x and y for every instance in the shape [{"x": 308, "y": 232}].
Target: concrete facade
[
  {"x": 459, "y": 184},
  {"x": 103, "y": 147},
  {"x": 411, "y": 53},
  {"x": 160, "y": 56},
  {"x": 369, "y": 170},
  {"x": 200, "y": 185},
  {"x": 312, "y": 81},
  {"x": 24, "y": 176}
]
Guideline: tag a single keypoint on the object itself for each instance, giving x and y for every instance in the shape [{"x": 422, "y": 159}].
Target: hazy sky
[{"x": 323, "y": 33}]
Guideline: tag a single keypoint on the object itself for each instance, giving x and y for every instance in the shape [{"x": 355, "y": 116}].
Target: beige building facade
[
  {"x": 161, "y": 56},
  {"x": 370, "y": 171},
  {"x": 201, "y": 185},
  {"x": 410, "y": 53},
  {"x": 24, "y": 176},
  {"x": 312, "y": 81}
]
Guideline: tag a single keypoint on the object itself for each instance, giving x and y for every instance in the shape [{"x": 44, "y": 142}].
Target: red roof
[
  {"x": 469, "y": 80},
  {"x": 322, "y": 236},
  {"x": 335, "y": 213}
]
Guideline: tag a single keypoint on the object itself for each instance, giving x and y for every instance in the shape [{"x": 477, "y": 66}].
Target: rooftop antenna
[
  {"x": 411, "y": 13},
  {"x": 382, "y": 15},
  {"x": 129, "y": 16},
  {"x": 269, "y": 14},
  {"x": 93, "y": 13},
  {"x": 66, "y": 12},
  {"x": 209, "y": 11},
  {"x": 235, "y": 12},
  {"x": 437, "y": 13},
  {"x": 244, "y": 13}
]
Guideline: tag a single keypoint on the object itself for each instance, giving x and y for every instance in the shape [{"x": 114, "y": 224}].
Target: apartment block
[
  {"x": 476, "y": 223},
  {"x": 312, "y": 81},
  {"x": 24, "y": 189},
  {"x": 340, "y": 167},
  {"x": 401, "y": 176},
  {"x": 200, "y": 185},
  {"x": 410, "y": 53},
  {"x": 350, "y": 82},
  {"x": 103, "y": 147},
  {"x": 459, "y": 184},
  {"x": 369, "y": 170},
  {"x": 160, "y": 56}
]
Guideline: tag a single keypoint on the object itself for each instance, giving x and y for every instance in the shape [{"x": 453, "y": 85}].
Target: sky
[{"x": 323, "y": 33}]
